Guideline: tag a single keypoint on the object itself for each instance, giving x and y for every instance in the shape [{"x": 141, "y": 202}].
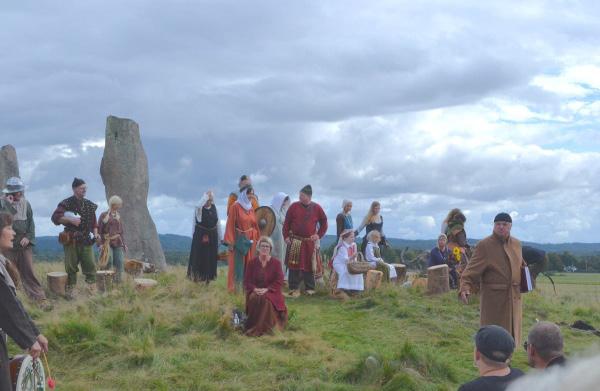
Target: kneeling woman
[
  {"x": 345, "y": 252},
  {"x": 263, "y": 279},
  {"x": 373, "y": 256}
]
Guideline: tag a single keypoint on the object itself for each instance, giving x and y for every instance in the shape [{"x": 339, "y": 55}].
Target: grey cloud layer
[{"x": 338, "y": 94}]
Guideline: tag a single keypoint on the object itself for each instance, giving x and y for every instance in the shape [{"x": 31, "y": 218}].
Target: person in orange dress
[
  {"x": 241, "y": 235},
  {"x": 244, "y": 181}
]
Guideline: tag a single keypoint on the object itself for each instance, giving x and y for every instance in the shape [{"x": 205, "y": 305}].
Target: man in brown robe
[{"x": 495, "y": 270}]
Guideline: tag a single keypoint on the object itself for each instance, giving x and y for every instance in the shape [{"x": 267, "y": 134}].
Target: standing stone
[
  {"x": 9, "y": 166},
  {"x": 124, "y": 171}
]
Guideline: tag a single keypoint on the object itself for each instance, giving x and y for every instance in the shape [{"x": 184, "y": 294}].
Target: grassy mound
[{"x": 178, "y": 337}]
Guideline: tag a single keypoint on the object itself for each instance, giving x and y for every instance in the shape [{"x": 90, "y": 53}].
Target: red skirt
[{"x": 262, "y": 316}]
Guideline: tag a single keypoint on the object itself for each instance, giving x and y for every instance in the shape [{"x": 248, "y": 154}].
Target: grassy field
[{"x": 177, "y": 337}]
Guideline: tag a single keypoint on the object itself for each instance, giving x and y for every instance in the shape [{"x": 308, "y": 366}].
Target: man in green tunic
[
  {"x": 78, "y": 215},
  {"x": 14, "y": 203}
]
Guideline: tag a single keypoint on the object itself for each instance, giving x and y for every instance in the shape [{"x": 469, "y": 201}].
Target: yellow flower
[{"x": 457, "y": 254}]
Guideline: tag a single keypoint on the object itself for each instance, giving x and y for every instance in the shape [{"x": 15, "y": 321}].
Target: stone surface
[
  {"x": 124, "y": 171},
  {"x": 9, "y": 165}
]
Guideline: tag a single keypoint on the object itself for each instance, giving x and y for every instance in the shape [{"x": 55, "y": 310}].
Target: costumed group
[{"x": 259, "y": 264}]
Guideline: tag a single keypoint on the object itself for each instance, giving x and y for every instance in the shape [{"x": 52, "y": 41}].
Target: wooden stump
[
  {"x": 400, "y": 271},
  {"x": 104, "y": 280},
  {"x": 144, "y": 283},
  {"x": 437, "y": 280},
  {"x": 57, "y": 282},
  {"x": 373, "y": 279}
]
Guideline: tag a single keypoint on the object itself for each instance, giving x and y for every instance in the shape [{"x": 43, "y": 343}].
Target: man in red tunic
[{"x": 305, "y": 224}]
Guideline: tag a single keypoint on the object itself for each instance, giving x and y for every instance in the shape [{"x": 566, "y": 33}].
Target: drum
[
  {"x": 27, "y": 374},
  {"x": 104, "y": 280},
  {"x": 359, "y": 267}
]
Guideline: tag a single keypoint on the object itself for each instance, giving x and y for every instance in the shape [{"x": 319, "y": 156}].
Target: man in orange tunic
[
  {"x": 305, "y": 224},
  {"x": 241, "y": 235},
  {"x": 244, "y": 181}
]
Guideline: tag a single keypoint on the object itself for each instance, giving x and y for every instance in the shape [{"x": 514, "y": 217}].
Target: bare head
[
  {"x": 265, "y": 246},
  {"x": 7, "y": 234},
  {"x": 79, "y": 188},
  {"x": 442, "y": 241},
  {"x": 115, "y": 203},
  {"x": 544, "y": 343},
  {"x": 374, "y": 236},
  {"x": 306, "y": 195}
]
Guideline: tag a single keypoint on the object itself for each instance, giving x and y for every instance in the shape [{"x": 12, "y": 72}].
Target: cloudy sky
[{"x": 424, "y": 106}]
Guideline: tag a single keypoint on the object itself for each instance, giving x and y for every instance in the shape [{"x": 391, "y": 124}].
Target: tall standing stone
[
  {"x": 124, "y": 171},
  {"x": 9, "y": 165}
]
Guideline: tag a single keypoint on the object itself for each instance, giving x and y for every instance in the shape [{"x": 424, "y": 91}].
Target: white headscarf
[
  {"x": 344, "y": 204},
  {"x": 243, "y": 199},
  {"x": 340, "y": 242},
  {"x": 277, "y": 202}
]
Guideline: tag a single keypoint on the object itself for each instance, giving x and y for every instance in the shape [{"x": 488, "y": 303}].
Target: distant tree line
[{"x": 558, "y": 262}]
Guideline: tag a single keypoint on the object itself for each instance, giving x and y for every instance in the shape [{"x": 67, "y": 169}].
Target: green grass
[{"x": 177, "y": 337}]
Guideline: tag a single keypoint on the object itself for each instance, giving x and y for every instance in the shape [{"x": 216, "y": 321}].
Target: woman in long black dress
[
  {"x": 205, "y": 242},
  {"x": 372, "y": 221}
]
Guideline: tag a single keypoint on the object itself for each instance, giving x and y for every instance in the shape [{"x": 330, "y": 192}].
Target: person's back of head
[{"x": 544, "y": 344}]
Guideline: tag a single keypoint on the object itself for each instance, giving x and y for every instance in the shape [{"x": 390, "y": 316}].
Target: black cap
[
  {"x": 503, "y": 217},
  {"x": 77, "y": 182},
  {"x": 307, "y": 190},
  {"x": 495, "y": 343}
]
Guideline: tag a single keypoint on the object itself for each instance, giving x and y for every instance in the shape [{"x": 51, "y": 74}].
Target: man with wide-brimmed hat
[
  {"x": 495, "y": 270},
  {"x": 305, "y": 224},
  {"x": 78, "y": 215},
  {"x": 14, "y": 203}
]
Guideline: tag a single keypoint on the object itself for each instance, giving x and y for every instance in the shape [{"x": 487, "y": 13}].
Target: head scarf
[
  {"x": 277, "y": 202},
  {"x": 243, "y": 198},
  {"x": 340, "y": 242},
  {"x": 344, "y": 204}
]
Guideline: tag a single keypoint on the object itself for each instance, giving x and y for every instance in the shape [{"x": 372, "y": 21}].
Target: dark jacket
[{"x": 14, "y": 321}]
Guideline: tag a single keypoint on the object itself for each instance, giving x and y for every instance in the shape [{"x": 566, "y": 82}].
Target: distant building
[{"x": 570, "y": 269}]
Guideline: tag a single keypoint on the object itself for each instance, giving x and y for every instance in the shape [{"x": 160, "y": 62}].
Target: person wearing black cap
[
  {"x": 494, "y": 347},
  {"x": 305, "y": 224},
  {"x": 495, "y": 270},
  {"x": 78, "y": 215}
]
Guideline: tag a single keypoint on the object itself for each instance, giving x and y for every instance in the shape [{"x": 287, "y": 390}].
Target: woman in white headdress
[
  {"x": 345, "y": 252},
  {"x": 279, "y": 204},
  {"x": 202, "y": 265}
]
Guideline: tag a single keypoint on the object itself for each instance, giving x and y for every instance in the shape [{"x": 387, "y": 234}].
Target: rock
[
  {"x": 371, "y": 364},
  {"x": 124, "y": 171},
  {"x": 9, "y": 165}
]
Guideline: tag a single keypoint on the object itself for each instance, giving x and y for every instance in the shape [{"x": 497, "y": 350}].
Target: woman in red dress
[{"x": 265, "y": 304}]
